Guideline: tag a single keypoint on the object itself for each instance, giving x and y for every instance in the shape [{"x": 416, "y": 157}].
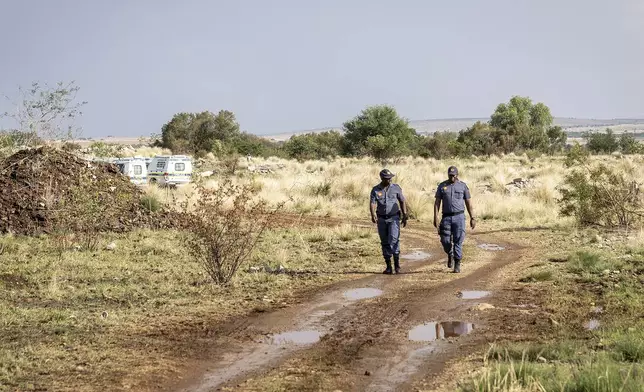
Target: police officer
[
  {"x": 454, "y": 195},
  {"x": 388, "y": 208}
]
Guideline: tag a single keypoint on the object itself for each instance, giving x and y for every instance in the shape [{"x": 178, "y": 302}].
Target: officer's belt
[
  {"x": 453, "y": 213},
  {"x": 389, "y": 216}
]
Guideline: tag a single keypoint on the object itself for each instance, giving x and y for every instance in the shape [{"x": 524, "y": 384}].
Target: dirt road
[{"x": 377, "y": 333}]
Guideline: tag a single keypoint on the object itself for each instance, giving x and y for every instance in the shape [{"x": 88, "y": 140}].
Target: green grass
[
  {"x": 538, "y": 276},
  {"x": 590, "y": 262},
  {"x": 606, "y": 360},
  {"x": 85, "y": 320}
]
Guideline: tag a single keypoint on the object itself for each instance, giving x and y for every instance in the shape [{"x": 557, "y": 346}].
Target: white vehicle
[
  {"x": 171, "y": 170},
  {"x": 134, "y": 168}
]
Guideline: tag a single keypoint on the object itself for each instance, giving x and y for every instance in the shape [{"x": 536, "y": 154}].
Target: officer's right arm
[
  {"x": 437, "y": 205},
  {"x": 372, "y": 205}
]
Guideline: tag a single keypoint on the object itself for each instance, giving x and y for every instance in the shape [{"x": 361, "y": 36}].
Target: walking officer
[
  {"x": 454, "y": 195},
  {"x": 388, "y": 209}
]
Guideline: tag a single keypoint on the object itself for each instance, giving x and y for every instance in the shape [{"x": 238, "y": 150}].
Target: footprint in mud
[
  {"x": 296, "y": 337},
  {"x": 416, "y": 255},
  {"x": 432, "y": 331},
  {"x": 362, "y": 293},
  {"x": 491, "y": 247},
  {"x": 473, "y": 294}
]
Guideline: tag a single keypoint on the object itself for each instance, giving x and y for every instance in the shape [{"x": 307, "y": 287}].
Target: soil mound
[{"x": 42, "y": 187}]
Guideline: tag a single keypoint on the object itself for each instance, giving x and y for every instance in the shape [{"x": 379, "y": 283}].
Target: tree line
[
  {"x": 378, "y": 131},
  {"x": 517, "y": 126}
]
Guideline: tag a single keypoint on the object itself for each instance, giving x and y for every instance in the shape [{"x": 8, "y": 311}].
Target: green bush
[{"x": 151, "y": 203}]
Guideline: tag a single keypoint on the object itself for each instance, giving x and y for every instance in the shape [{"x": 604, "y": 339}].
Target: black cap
[
  {"x": 386, "y": 173},
  {"x": 452, "y": 171}
]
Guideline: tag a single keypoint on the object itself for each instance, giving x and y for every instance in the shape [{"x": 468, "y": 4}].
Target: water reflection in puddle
[
  {"x": 473, "y": 294},
  {"x": 592, "y": 324},
  {"x": 416, "y": 255},
  {"x": 362, "y": 293},
  {"x": 431, "y": 331},
  {"x": 296, "y": 337},
  {"x": 491, "y": 247}
]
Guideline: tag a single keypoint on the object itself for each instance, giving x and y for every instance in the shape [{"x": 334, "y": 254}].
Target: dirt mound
[{"x": 44, "y": 187}]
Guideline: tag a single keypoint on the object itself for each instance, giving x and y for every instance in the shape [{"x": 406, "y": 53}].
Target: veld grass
[
  {"x": 102, "y": 320},
  {"x": 538, "y": 276},
  {"x": 568, "y": 367}
]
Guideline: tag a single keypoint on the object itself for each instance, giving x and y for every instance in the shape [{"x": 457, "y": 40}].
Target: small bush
[
  {"x": 322, "y": 189},
  {"x": 584, "y": 261},
  {"x": 224, "y": 227},
  {"x": 595, "y": 194},
  {"x": 629, "y": 347},
  {"x": 151, "y": 203}
]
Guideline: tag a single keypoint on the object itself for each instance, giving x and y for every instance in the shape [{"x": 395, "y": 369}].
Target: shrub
[
  {"x": 595, "y": 194},
  {"x": 224, "y": 226},
  {"x": 151, "y": 203}
]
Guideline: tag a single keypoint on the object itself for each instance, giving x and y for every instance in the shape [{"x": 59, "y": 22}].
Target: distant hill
[{"x": 573, "y": 126}]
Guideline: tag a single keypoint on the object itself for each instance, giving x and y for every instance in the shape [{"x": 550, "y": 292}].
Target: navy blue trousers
[
  {"x": 389, "y": 232},
  {"x": 452, "y": 229}
]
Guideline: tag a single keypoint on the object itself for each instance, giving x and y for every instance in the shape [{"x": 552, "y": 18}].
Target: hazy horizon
[{"x": 288, "y": 66}]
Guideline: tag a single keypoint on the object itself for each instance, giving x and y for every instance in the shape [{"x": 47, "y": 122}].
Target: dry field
[{"x": 145, "y": 317}]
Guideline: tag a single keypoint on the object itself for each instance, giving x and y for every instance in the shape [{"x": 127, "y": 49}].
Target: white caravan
[
  {"x": 171, "y": 170},
  {"x": 134, "y": 168}
]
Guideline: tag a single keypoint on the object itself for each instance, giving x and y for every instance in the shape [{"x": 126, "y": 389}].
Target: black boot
[
  {"x": 449, "y": 260},
  {"x": 397, "y": 263},
  {"x": 457, "y": 266},
  {"x": 388, "y": 271}
]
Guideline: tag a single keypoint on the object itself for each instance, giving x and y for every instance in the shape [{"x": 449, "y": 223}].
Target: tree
[
  {"x": 378, "y": 130},
  {"x": 628, "y": 144},
  {"x": 525, "y": 122},
  {"x": 601, "y": 142},
  {"x": 556, "y": 139},
  {"x": 314, "y": 145},
  {"x": 47, "y": 113},
  {"x": 199, "y": 133}
]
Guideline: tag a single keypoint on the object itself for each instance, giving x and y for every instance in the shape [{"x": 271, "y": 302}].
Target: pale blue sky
[{"x": 287, "y": 65}]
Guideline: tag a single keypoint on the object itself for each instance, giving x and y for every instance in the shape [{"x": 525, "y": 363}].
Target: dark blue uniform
[
  {"x": 452, "y": 226},
  {"x": 388, "y": 212}
]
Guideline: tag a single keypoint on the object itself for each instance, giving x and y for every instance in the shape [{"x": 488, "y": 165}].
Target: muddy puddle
[
  {"x": 592, "y": 324},
  {"x": 296, "y": 337},
  {"x": 416, "y": 255},
  {"x": 473, "y": 294},
  {"x": 361, "y": 293},
  {"x": 491, "y": 247},
  {"x": 432, "y": 331}
]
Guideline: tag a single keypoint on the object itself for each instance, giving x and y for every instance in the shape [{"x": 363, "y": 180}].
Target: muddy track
[{"x": 365, "y": 344}]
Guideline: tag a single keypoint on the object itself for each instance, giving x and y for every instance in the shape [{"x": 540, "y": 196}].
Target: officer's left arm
[
  {"x": 468, "y": 204},
  {"x": 402, "y": 201},
  {"x": 403, "y": 205}
]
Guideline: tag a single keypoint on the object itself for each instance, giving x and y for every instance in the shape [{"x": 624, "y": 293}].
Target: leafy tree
[
  {"x": 601, "y": 142},
  {"x": 199, "y": 133},
  {"x": 46, "y": 113},
  {"x": 440, "y": 145},
  {"x": 482, "y": 139},
  {"x": 248, "y": 144},
  {"x": 556, "y": 139},
  {"x": 525, "y": 122},
  {"x": 314, "y": 145},
  {"x": 629, "y": 145},
  {"x": 378, "y": 130}
]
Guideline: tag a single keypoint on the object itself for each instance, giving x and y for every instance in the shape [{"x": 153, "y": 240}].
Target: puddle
[
  {"x": 296, "y": 337},
  {"x": 416, "y": 255},
  {"x": 592, "y": 324},
  {"x": 362, "y": 293},
  {"x": 473, "y": 294},
  {"x": 429, "y": 332},
  {"x": 491, "y": 247}
]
